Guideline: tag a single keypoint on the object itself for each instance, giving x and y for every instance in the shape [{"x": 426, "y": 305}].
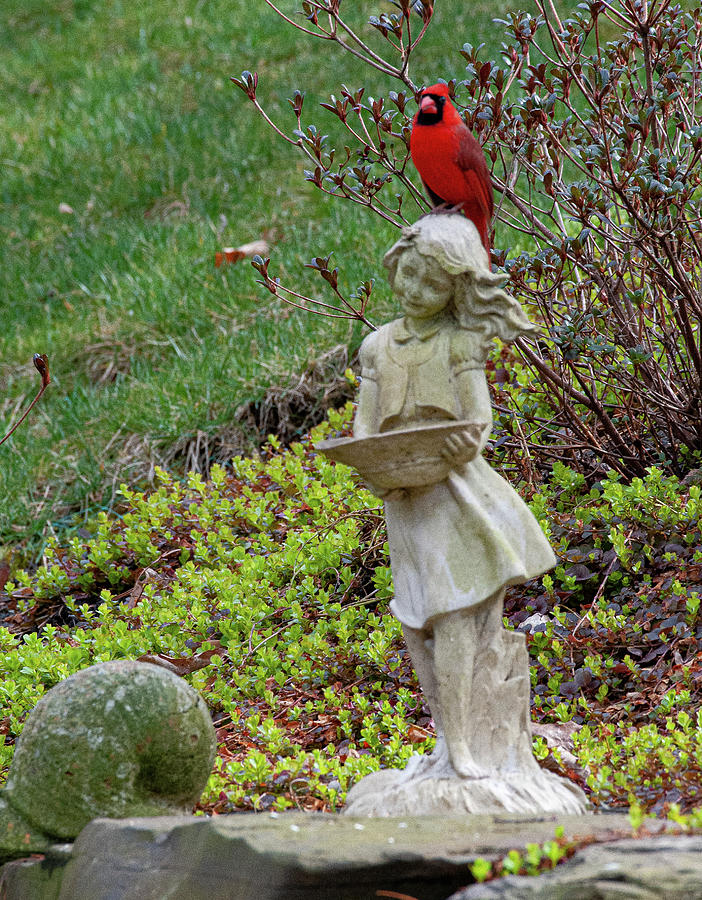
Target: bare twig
[{"x": 41, "y": 364}]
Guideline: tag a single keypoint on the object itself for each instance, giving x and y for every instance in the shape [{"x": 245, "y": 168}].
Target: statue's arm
[
  {"x": 468, "y": 355},
  {"x": 474, "y": 398}
]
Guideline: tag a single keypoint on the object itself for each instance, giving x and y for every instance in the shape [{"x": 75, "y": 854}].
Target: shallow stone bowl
[{"x": 404, "y": 458}]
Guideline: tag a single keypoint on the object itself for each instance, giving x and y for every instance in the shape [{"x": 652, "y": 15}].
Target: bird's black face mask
[{"x": 431, "y": 109}]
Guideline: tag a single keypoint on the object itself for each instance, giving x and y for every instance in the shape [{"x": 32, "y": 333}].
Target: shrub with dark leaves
[{"x": 591, "y": 124}]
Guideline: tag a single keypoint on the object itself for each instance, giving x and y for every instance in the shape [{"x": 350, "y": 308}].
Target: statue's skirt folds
[{"x": 458, "y": 542}]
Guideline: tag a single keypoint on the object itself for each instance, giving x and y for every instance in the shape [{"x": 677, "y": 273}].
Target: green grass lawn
[{"x": 125, "y": 113}]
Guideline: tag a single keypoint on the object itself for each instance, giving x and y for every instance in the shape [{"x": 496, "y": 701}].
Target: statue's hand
[
  {"x": 459, "y": 448},
  {"x": 386, "y": 493},
  {"x": 395, "y": 494}
]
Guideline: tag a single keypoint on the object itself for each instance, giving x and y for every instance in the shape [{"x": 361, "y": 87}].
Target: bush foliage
[
  {"x": 267, "y": 588},
  {"x": 591, "y": 124}
]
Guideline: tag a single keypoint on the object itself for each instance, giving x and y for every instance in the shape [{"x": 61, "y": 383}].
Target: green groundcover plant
[
  {"x": 267, "y": 589},
  {"x": 266, "y": 585}
]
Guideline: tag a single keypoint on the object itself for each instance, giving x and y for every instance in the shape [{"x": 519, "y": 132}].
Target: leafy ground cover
[
  {"x": 267, "y": 589},
  {"x": 126, "y": 167}
]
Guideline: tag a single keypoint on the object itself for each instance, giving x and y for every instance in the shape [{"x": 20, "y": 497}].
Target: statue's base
[
  {"x": 430, "y": 786},
  {"x": 498, "y": 772}
]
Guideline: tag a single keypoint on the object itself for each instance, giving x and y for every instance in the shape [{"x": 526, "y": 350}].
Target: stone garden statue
[
  {"x": 459, "y": 534},
  {"x": 118, "y": 739}
]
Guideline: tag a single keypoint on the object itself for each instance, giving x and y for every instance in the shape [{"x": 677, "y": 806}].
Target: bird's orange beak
[{"x": 427, "y": 105}]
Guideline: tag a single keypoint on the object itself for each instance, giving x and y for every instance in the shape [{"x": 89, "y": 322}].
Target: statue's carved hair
[{"x": 480, "y": 303}]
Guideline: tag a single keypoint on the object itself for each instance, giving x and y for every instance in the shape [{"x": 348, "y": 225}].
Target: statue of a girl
[{"x": 455, "y": 544}]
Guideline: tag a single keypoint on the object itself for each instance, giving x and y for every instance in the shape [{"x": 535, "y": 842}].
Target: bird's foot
[
  {"x": 442, "y": 209},
  {"x": 446, "y": 209}
]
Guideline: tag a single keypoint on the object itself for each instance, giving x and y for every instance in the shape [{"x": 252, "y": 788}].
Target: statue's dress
[{"x": 455, "y": 543}]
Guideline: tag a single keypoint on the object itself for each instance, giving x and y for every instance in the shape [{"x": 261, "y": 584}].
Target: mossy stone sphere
[{"x": 117, "y": 739}]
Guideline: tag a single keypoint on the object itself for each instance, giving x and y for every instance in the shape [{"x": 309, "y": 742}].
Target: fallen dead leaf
[
  {"x": 234, "y": 254},
  {"x": 394, "y": 894},
  {"x": 148, "y": 576},
  {"x": 418, "y": 735},
  {"x": 4, "y": 573},
  {"x": 559, "y": 737},
  {"x": 183, "y": 665}
]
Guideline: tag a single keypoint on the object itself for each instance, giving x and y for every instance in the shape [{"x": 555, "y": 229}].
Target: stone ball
[{"x": 118, "y": 739}]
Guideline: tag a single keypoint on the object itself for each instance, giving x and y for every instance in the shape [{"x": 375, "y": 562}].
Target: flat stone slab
[
  {"x": 668, "y": 867},
  {"x": 291, "y": 856}
]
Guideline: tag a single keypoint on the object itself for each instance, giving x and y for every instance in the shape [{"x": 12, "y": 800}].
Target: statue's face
[{"x": 422, "y": 285}]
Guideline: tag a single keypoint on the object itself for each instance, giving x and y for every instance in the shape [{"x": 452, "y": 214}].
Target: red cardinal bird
[{"x": 450, "y": 161}]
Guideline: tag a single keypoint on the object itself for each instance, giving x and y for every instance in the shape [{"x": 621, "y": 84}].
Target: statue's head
[
  {"x": 479, "y": 303},
  {"x": 452, "y": 240}
]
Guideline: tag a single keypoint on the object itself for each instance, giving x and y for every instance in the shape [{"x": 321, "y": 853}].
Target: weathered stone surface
[
  {"x": 17, "y": 837},
  {"x": 668, "y": 867},
  {"x": 117, "y": 739},
  {"x": 294, "y": 856},
  {"x": 402, "y": 458},
  {"x": 458, "y": 533},
  {"x": 512, "y": 792},
  {"x": 510, "y": 781},
  {"x": 32, "y": 879}
]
